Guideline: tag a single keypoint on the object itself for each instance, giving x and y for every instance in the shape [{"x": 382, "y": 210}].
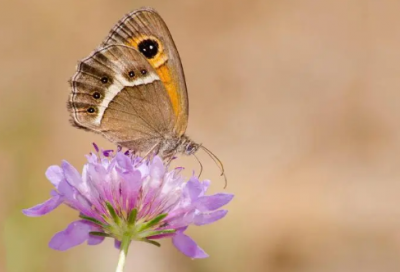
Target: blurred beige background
[{"x": 300, "y": 99}]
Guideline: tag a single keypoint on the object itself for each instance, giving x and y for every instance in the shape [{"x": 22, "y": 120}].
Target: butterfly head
[{"x": 191, "y": 148}]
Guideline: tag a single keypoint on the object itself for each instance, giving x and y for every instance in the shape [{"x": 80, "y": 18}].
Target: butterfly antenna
[
  {"x": 217, "y": 162},
  {"x": 201, "y": 165}
]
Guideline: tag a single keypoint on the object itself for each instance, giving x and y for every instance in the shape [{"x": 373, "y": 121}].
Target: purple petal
[
  {"x": 208, "y": 218},
  {"x": 75, "y": 234},
  {"x": 102, "y": 180},
  {"x": 55, "y": 175},
  {"x": 124, "y": 162},
  {"x": 180, "y": 220},
  {"x": 45, "y": 207},
  {"x": 117, "y": 244},
  {"x": 92, "y": 158},
  {"x": 161, "y": 236},
  {"x": 157, "y": 168},
  {"x": 71, "y": 174},
  {"x": 142, "y": 167},
  {"x": 74, "y": 198},
  {"x": 130, "y": 188},
  {"x": 187, "y": 246},
  {"x": 95, "y": 240},
  {"x": 193, "y": 188},
  {"x": 213, "y": 202},
  {"x": 206, "y": 184}
]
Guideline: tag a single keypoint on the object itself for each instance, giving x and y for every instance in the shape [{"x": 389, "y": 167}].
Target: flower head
[{"x": 121, "y": 196}]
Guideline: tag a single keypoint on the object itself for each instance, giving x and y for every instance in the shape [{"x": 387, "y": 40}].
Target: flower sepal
[
  {"x": 93, "y": 220},
  {"x": 100, "y": 234},
  {"x": 147, "y": 225},
  {"x": 155, "y": 233},
  {"x": 129, "y": 228},
  {"x": 152, "y": 242}
]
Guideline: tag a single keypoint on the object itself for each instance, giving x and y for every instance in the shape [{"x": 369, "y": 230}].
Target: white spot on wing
[{"x": 119, "y": 83}]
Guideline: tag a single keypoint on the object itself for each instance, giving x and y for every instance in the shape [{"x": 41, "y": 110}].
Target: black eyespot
[
  {"x": 149, "y": 48},
  {"x": 104, "y": 79},
  {"x": 131, "y": 73},
  {"x": 96, "y": 95},
  {"x": 91, "y": 110},
  {"x": 143, "y": 71}
]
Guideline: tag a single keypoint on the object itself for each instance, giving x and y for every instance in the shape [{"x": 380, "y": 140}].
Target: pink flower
[{"x": 120, "y": 196}]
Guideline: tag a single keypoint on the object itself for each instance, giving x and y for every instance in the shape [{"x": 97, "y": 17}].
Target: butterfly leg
[
  {"x": 149, "y": 152},
  {"x": 170, "y": 158}
]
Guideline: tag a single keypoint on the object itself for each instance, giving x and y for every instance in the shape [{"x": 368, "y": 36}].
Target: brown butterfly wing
[
  {"x": 146, "y": 31},
  {"x": 116, "y": 92}
]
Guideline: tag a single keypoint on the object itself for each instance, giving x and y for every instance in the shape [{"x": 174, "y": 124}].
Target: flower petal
[
  {"x": 92, "y": 158},
  {"x": 117, "y": 244},
  {"x": 95, "y": 240},
  {"x": 124, "y": 162},
  {"x": 130, "y": 188},
  {"x": 72, "y": 175},
  {"x": 45, "y": 207},
  {"x": 188, "y": 246},
  {"x": 55, "y": 175},
  {"x": 213, "y": 202},
  {"x": 193, "y": 188},
  {"x": 180, "y": 220},
  {"x": 157, "y": 168},
  {"x": 208, "y": 218},
  {"x": 75, "y": 234},
  {"x": 74, "y": 199},
  {"x": 206, "y": 184}
]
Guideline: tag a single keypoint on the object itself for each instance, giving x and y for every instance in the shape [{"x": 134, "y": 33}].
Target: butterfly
[{"x": 132, "y": 89}]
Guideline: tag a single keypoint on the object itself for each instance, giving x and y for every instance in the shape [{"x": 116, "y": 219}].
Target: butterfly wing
[
  {"x": 146, "y": 31},
  {"x": 116, "y": 92}
]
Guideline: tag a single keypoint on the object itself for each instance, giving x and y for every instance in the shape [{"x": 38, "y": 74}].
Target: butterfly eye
[
  {"x": 191, "y": 148},
  {"x": 143, "y": 71},
  {"x": 96, "y": 95},
  {"x": 131, "y": 74},
  {"x": 149, "y": 48},
  {"x": 104, "y": 80},
  {"x": 91, "y": 110}
]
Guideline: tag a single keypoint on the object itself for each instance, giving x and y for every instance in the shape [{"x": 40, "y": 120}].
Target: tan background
[{"x": 300, "y": 99}]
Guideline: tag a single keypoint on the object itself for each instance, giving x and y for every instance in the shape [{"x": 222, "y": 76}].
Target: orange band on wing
[
  {"x": 159, "y": 62},
  {"x": 171, "y": 87}
]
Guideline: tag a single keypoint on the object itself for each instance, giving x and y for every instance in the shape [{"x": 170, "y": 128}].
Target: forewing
[
  {"x": 117, "y": 93},
  {"x": 144, "y": 30}
]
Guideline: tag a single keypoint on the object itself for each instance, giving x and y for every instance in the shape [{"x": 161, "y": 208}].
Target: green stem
[{"x": 126, "y": 240}]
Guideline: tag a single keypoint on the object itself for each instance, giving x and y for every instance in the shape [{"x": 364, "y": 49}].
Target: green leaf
[
  {"x": 113, "y": 213},
  {"x": 132, "y": 217},
  {"x": 91, "y": 219},
  {"x": 98, "y": 233},
  {"x": 152, "y": 222}
]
